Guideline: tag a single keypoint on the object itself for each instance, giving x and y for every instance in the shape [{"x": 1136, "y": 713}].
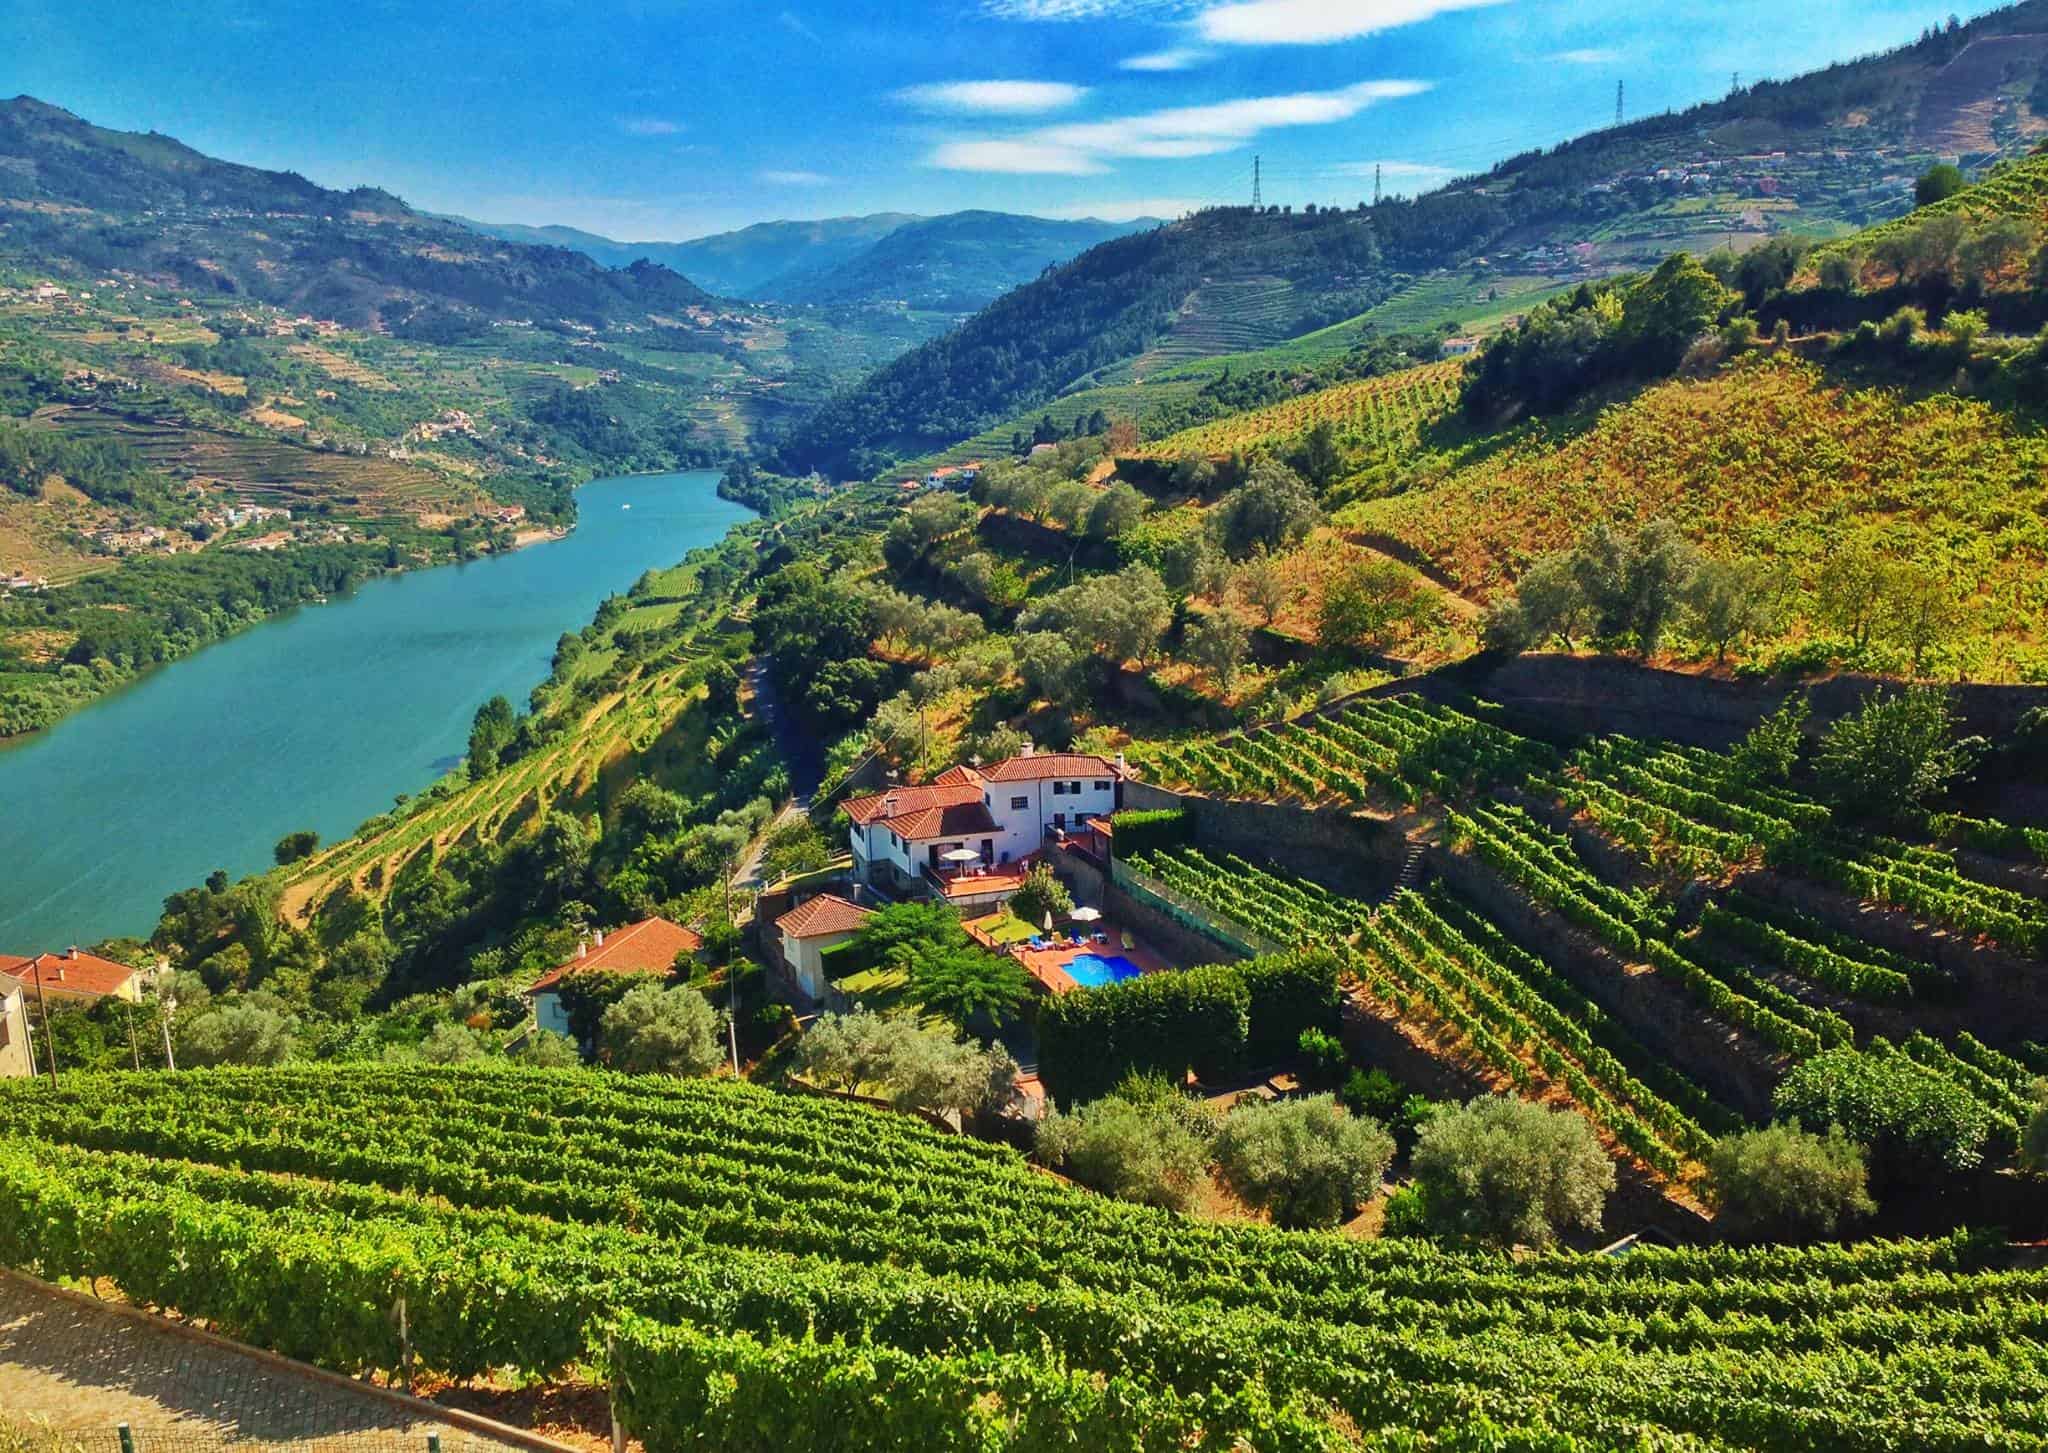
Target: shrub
[
  {"x": 1914, "y": 1123},
  {"x": 1289, "y": 995},
  {"x": 1139, "y": 833},
  {"x": 294, "y": 846},
  {"x": 1042, "y": 895},
  {"x": 1895, "y": 755},
  {"x": 968, "y": 984},
  {"x": 1504, "y": 1172},
  {"x": 1304, "y": 1162},
  {"x": 1146, "y": 1142},
  {"x": 1323, "y": 1059},
  {"x": 916, "y": 1068},
  {"x": 2034, "y": 1139},
  {"x": 1786, "y": 1184},
  {"x": 1168, "y": 1024},
  {"x": 652, "y": 1030},
  {"x": 1771, "y": 750},
  {"x": 451, "y": 1044},
  {"x": 236, "y": 1034},
  {"x": 547, "y": 1050}
]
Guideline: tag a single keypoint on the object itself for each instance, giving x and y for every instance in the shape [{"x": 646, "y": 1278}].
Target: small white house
[
  {"x": 1002, "y": 814},
  {"x": 804, "y": 933},
  {"x": 649, "y": 947}
]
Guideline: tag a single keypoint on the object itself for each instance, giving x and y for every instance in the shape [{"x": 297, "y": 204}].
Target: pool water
[{"x": 1094, "y": 970}]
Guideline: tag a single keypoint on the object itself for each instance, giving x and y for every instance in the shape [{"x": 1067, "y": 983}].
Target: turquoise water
[
  {"x": 1092, "y": 971},
  {"x": 315, "y": 719}
]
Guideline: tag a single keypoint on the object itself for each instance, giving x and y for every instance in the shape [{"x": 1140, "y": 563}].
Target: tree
[
  {"x": 1304, "y": 1162},
  {"x": 1937, "y": 184},
  {"x": 1321, "y": 457},
  {"x": 1894, "y": 756},
  {"x": 1786, "y": 1184},
  {"x": 1120, "y": 617},
  {"x": 490, "y": 734},
  {"x": 653, "y": 1030},
  {"x": 1218, "y": 642},
  {"x": 1146, "y": 1141},
  {"x": 546, "y": 1050},
  {"x": 1264, "y": 586},
  {"x": 721, "y": 688},
  {"x": 1549, "y": 602},
  {"x": 1272, "y": 510},
  {"x": 2034, "y": 1138},
  {"x": 1852, "y": 589},
  {"x": 969, "y": 985},
  {"x": 295, "y": 846},
  {"x": 1369, "y": 604},
  {"x": 915, "y": 1067},
  {"x": 1730, "y": 602},
  {"x": 1635, "y": 584},
  {"x": 1916, "y": 1124},
  {"x": 1043, "y": 895},
  {"x": 1663, "y": 314},
  {"x": 244, "y": 1033},
  {"x": 1115, "y": 511},
  {"x": 1921, "y": 611},
  {"x": 1050, "y": 666},
  {"x": 1771, "y": 750},
  {"x": 1506, "y": 1172},
  {"x": 448, "y": 1043}
]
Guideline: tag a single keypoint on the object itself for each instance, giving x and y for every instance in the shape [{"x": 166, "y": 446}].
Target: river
[{"x": 316, "y": 719}]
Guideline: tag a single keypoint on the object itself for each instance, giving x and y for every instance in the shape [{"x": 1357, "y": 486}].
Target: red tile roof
[
  {"x": 1042, "y": 765},
  {"x": 647, "y": 947},
  {"x": 826, "y": 913},
  {"x": 73, "y": 971},
  {"x": 950, "y": 803}
]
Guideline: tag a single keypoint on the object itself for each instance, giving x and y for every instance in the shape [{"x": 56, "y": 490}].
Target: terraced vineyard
[
  {"x": 1136, "y": 402},
  {"x": 756, "y": 1279},
  {"x": 1285, "y": 911},
  {"x": 1378, "y": 416},
  {"x": 1224, "y": 317},
  {"x": 1768, "y": 459},
  {"x": 1393, "y": 749}
]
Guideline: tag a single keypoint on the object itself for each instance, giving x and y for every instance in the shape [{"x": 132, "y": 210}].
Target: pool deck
[{"x": 1049, "y": 966}]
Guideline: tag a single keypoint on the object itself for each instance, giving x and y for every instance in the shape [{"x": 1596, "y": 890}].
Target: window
[
  {"x": 1059, "y": 789},
  {"x": 1073, "y": 789},
  {"x": 1102, "y": 786},
  {"x": 1019, "y": 804}
]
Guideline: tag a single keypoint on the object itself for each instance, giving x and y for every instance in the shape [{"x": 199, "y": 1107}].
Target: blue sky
[{"x": 664, "y": 119}]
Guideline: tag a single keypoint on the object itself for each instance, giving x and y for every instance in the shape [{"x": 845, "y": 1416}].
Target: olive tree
[
  {"x": 1145, "y": 1143},
  {"x": 656, "y": 1030},
  {"x": 1272, "y": 510},
  {"x": 1505, "y": 1172},
  {"x": 1786, "y": 1184},
  {"x": 1305, "y": 1162}
]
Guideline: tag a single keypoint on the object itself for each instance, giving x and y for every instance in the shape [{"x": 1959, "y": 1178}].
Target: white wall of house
[
  {"x": 16, "y": 1057},
  {"x": 1027, "y": 812},
  {"x": 803, "y": 957},
  {"x": 549, "y": 1014}
]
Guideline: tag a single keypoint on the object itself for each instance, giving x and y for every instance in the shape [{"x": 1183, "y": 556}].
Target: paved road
[{"x": 78, "y": 1367}]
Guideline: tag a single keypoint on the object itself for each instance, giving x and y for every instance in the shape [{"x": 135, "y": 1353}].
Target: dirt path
[{"x": 75, "y": 1365}]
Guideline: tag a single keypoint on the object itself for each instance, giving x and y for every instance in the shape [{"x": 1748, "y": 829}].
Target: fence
[
  {"x": 37, "y": 1436},
  {"x": 1190, "y": 915}
]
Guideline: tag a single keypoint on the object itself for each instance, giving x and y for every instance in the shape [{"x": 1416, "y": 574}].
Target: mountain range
[{"x": 955, "y": 263}]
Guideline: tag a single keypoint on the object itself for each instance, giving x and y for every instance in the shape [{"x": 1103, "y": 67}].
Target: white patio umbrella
[
  {"x": 961, "y": 855},
  {"x": 1085, "y": 915},
  {"x": 1048, "y": 920}
]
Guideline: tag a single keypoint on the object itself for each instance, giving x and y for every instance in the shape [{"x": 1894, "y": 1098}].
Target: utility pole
[
  {"x": 43, "y": 1008},
  {"x": 1258, "y": 203},
  {"x": 164, "y": 1021},
  {"x": 1619, "y": 93}
]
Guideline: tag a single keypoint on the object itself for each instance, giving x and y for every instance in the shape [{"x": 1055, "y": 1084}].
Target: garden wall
[
  {"x": 1560, "y": 697},
  {"x": 1353, "y": 855}
]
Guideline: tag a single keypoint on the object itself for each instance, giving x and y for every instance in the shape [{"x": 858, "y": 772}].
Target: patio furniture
[
  {"x": 1038, "y": 942},
  {"x": 1100, "y": 937},
  {"x": 1128, "y": 945}
]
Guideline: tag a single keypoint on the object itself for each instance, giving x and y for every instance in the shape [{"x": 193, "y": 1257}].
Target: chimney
[
  {"x": 1029, "y": 749},
  {"x": 72, "y": 952},
  {"x": 1121, "y": 766},
  {"x": 889, "y": 804},
  {"x": 600, "y": 938}
]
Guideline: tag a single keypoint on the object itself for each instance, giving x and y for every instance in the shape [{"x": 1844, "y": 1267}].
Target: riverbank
[{"x": 313, "y": 720}]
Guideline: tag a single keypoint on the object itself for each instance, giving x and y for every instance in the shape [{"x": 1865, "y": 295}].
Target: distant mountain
[
  {"x": 951, "y": 264},
  {"x": 731, "y": 264},
  {"x": 82, "y": 197},
  {"x": 956, "y": 263},
  {"x": 1823, "y": 153}
]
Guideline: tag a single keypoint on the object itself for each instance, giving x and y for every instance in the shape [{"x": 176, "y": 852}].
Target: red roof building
[
  {"x": 647, "y": 947},
  {"x": 76, "y": 977}
]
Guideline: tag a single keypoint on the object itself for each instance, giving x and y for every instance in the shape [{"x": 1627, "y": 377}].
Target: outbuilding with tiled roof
[
  {"x": 649, "y": 947},
  {"x": 804, "y": 933},
  {"x": 73, "y": 976}
]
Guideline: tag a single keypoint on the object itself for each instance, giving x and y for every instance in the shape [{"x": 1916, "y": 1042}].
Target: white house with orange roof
[
  {"x": 649, "y": 947},
  {"x": 1002, "y": 814},
  {"x": 73, "y": 976},
  {"x": 804, "y": 933}
]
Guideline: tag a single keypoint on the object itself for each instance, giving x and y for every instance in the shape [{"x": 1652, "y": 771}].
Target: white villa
[{"x": 1002, "y": 814}]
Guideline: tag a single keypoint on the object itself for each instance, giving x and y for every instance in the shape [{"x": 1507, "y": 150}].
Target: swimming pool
[{"x": 1094, "y": 970}]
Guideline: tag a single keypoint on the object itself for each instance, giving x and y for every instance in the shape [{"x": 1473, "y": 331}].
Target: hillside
[
  {"x": 946, "y": 1295},
  {"x": 953, "y": 264},
  {"x": 74, "y": 193},
  {"x": 731, "y": 264},
  {"x": 1823, "y": 154}
]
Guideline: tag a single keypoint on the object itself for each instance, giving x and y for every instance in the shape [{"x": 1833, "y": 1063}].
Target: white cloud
[
  {"x": 1082, "y": 148},
  {"x": 1181, "y": 59},
  {"x": 1588, "y": 57},
  {"x": 1081, "y": 9},
  {"x": 649, "y": 126},
  {"x": 794, "y": 23},
  {"x": 1318, "y": 22},
  {"x": 794, "y": 179},
  {"x": 1401, "y": 178},
  {"x": 1167, "y": 208},
  {"x": 1003, "y": 98},
  {"x": 1018, "y": 158}
]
